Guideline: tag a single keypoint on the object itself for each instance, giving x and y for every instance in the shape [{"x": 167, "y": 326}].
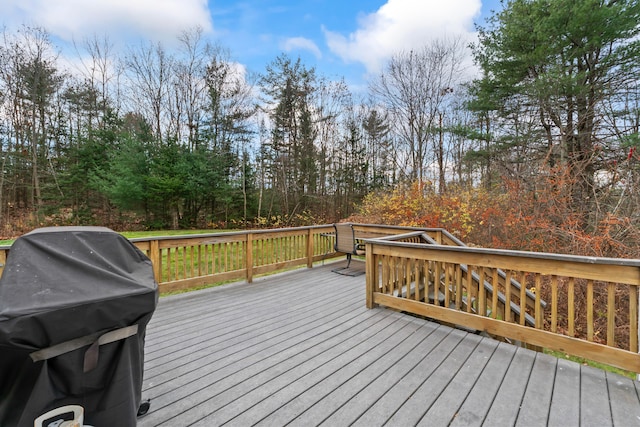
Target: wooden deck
[{"x": 300, "y": 348}]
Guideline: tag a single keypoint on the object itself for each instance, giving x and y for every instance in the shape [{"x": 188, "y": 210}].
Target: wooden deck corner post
[
  {"x": 249, "y": 258},
  {"x": 154, "y": 256},
  {"x": 371, "y": 274},
  {"x": 3, "y": 260},
  {"x": 310, "y": 248}
]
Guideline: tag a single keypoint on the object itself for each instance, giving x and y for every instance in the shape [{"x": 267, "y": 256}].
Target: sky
[{"x": 339, "y": 38}]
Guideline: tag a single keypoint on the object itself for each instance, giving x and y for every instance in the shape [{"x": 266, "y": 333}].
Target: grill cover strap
[{"x": 93, "y": 340}]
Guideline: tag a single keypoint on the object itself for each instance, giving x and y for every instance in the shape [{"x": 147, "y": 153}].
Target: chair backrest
[{"x": 345, "y": 238}]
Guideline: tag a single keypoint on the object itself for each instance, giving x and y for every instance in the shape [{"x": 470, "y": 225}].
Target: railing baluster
[
  {"x": 192, "y": 261},
  {"x": 554, "y": 303},
  {"x": 447, "y": 284},
  {"x": 427, "y": 280},
  {"x": 495, "y": 285},
  {"x": 590, "y": 310},
  {"x": 482, "y": 297},
  {"x": 571, "y": 307},
  {"x": 469, "y": 288},
  {"x": 611, "y": 314},
  {"x": 417, "y": 280},
  {"x": 225, "y": 257},
  {"x": 407, "y": 277},
  {"x": 507, "y": 296},
  {"x": 205, "y": 260},
  {"x": 633, "y": 319},
  {"x": 184, "y": 262},
  {"x": 458, "y": 274},
  {"x": 538, "y": 309},
  {"x": 169, "y": 272},
  {"x": 395, "y": 273},
  {"x": 386, "y": 274},
  {"x": 523, "y": 297},
  {"x": 436, "y": 283}
]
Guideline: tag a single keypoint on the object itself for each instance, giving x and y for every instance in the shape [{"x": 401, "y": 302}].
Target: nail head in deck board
[{"x": 239, "y": 340}]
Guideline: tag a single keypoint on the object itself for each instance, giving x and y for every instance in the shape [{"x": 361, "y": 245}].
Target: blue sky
[{"x": 340, "y": 38}]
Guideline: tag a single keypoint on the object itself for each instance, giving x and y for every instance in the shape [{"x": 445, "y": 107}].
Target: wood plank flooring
[{"x": 301, "y": 349}]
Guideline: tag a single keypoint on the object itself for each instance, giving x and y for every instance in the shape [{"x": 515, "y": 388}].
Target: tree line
[{"x": 185, "y": 137}]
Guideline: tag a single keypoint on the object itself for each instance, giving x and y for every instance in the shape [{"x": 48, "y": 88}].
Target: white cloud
[
  {"x": 400, "y": 25},
  {"x": 297, "y": 43},
  {"x": 157, "y": 20}
]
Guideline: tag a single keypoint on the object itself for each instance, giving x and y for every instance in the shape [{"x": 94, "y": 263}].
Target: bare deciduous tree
[
  {"x": 413, "y": 88},
  {"x": 149, "y": 70}
]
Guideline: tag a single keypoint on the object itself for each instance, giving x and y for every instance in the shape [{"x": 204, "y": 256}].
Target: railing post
[
  {"x": 249, "y": 258},
  {"x": 154, "y": 256},
  {"x": 3, "y": 260},
  {"x": 371, "y": 274},
  {"x": 310, "y": 248},
  {"x": 638, "y": 328}
]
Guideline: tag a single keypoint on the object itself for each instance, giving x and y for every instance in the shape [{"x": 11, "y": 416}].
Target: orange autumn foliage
[{"x": 518, "y": 216}]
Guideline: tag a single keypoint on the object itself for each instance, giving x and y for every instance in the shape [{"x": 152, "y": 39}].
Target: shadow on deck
[{"x": 301, "y": 348}]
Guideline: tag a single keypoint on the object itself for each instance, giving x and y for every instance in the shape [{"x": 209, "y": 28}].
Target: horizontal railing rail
[{"x": 592, "y": 303}]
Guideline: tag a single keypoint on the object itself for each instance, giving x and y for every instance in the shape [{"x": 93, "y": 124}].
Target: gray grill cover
[{"x": 61, "y": 284}]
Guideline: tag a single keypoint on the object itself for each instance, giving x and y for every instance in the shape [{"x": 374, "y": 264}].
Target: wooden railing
[
  {"x": 403, "y": 274},
  {"x": 592, "y": 303},
  {"x": 189, "y": 261},
  {"x": 184, "y": 262}
]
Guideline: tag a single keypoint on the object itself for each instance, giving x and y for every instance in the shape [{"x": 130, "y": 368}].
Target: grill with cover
[{"x": 74, "y": 306}]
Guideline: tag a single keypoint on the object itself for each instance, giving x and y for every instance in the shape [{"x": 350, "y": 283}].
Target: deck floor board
[
  {"x": 301, "y": 349},
  {"x": 594, "y": 410},
  {"x": 475, "y": 408}
]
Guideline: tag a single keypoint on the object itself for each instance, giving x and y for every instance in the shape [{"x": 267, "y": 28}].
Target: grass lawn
[{"x": 583, "y": 361}]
